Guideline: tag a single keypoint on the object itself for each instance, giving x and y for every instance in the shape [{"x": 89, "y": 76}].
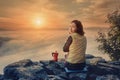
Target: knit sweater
[{"x": 77, "y": 49}]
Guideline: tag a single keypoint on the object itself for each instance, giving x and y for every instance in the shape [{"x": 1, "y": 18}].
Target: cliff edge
[{"x": 96, "y": 69}]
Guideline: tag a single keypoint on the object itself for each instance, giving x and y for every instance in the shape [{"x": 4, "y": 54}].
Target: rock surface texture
[{"x": 96, "y": 69}]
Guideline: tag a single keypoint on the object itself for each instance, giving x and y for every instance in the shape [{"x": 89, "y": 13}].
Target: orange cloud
[{"x": 57, "y": 13}]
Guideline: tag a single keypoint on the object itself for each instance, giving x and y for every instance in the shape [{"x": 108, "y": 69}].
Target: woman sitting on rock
[{"x": 75, "y": 46}]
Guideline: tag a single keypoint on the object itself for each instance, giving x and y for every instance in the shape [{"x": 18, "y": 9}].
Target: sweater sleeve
[{"x": 67, "y": 44}]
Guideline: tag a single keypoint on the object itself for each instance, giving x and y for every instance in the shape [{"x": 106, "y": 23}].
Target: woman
[{"x": 75, "y": 46}]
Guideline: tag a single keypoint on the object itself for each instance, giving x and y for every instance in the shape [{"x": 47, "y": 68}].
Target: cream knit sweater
[{"x": 77, "y": 49}]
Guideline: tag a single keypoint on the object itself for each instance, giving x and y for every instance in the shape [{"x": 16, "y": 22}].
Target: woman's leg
[{"x": 76, "y": 66}]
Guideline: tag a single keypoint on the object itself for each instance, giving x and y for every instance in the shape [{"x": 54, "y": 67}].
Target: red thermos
[{"x": 55, "y": 56}]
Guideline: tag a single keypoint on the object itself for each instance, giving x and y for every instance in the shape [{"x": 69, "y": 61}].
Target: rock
[
  {"x": 102, "y": 70},
  {"x": 55, "y": 69},
  {"x": 77, "y": 76},
  {"x": 1, "y": 77},
  {"x": 45, "y": 62},
  {"x": 61, "y": 64},
  {"x": 7, "y": 79},
  {"x": 22, "y": 79},
  {"x": 92, "y": 77},
  {"x": 115, "y": 63},
  {"x": 95, "y": 61},
  {"x": 54, "y": 77},
  {"x": 21, "y": 63},
  {"x": 24, "y": 69},
  {"x": 89, "y": 56},
  {"x": 63, "y": 75},
  {"x": 51, "y": 70},
  {"x": 107, "y": 77}
]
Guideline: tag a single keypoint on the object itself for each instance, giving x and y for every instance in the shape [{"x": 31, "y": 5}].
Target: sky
[{"x": 57, "y": 14}]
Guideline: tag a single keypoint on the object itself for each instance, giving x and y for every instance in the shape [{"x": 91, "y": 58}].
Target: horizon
[{"x": 86, "y": 28}]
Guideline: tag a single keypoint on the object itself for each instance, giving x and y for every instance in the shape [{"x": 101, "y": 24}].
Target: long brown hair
[{"x": 79, "y": 27}]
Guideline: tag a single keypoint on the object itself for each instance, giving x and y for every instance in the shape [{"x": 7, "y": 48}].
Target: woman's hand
[{"x": 66, "y": 55}]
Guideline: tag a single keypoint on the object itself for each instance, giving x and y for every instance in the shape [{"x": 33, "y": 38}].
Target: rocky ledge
[{"x": 96, "y": 69}]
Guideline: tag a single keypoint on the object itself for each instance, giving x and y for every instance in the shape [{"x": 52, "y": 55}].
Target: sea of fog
[{"x": 38, "y": 45}]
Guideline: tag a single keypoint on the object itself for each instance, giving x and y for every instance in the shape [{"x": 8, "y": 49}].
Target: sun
[{"x": 38, "y": 22}]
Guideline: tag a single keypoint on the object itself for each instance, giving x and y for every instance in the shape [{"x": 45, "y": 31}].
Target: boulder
[
  {"x": 95, "y": 60},
  {"x": 24, "y": 69},
  {"x": 77, "y": 76},
  {"x": 1, "y": 77},
  {"x": 21, "y": 63},
  {"x": 115, "y": 63},
  {"x": 107, "y": 77},
  {"x": 89, "y": 56},
  {"x": 96, "y": 69}
]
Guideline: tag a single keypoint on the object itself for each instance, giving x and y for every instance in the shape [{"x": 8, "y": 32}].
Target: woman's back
[{"x": 77, "y": 49}]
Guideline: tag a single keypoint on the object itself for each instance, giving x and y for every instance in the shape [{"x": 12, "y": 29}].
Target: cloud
[
  {"x": 96, "y": 13},
  {"x": 91, "y": 12},
  {"x": 4, "y": 40},
  {"x": 79, "y": 1},
  {"x": 20, "y": 16},
  {"x": 57, "y": 13},
  {"x": 30, "y": 42}
]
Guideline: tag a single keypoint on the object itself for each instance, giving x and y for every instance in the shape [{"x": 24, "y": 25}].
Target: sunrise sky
[{"x": 35, "y": 14}]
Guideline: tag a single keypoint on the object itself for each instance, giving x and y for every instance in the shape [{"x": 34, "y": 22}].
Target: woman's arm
[{"x": 67, "y": 44}]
